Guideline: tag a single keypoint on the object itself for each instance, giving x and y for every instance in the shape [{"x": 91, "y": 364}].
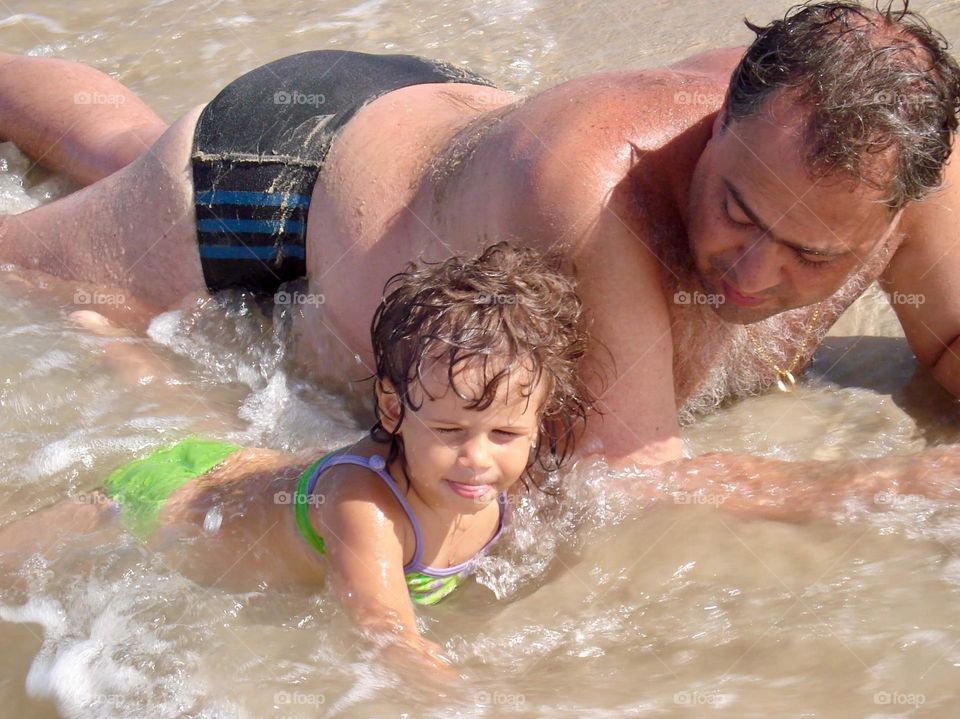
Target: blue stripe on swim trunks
[
  {"x": 222, "y": 252},
  {"x": 238, "y": 197},
  {"x": 255, "y": 227},
  {"x": 254, "y": 220}
]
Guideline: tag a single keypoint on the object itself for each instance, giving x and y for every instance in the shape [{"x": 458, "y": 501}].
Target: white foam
[
  {"x": 60, "y": 455},
  {"x": 163, "y": 327},
  {"x": 44, "y": 611}
]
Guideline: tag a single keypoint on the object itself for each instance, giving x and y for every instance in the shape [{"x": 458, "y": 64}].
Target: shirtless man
[{"x": 716, "y": 235}]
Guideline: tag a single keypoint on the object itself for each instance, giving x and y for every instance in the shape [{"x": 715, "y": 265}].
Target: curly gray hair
[{"x": 879, "y": 83}]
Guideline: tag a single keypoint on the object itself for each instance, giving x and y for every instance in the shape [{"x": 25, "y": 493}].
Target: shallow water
[{"x": 592, "y": 605}]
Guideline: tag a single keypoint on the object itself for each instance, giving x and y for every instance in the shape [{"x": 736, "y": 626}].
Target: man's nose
[{"x": 757, "y": 269}]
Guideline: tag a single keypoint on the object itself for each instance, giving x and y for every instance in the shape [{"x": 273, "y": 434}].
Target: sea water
[{"x": 594, "y": 604}]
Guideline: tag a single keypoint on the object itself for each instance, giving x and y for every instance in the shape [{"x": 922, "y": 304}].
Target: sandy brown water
[{"x": 592, "y": 606}]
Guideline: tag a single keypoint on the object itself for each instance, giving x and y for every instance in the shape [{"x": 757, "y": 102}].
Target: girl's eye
[
  {"x": 446, "y": 430},
  {"x": 506, "y": 433}
]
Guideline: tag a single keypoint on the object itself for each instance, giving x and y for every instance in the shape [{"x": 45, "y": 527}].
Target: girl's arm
[{"x": 367, "y": 536}]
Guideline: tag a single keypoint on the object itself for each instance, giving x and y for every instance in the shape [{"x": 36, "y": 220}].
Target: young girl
[{"x": 476, "y": 388}]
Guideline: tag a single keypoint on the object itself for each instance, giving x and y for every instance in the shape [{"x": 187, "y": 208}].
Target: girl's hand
[{"x": 419, "y": 659}]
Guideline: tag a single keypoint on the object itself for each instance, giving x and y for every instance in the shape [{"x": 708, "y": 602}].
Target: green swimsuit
[
  {"x": 427, "y": 585},
  {"x": 140, "y": 489}
]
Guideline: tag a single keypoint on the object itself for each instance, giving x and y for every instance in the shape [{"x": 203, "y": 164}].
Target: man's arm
[
  {"x": 640, "y": 425},
  {"x": 798, "y": 491},
  {"x": 625, "y": 298},
  {"x": 631, "y": 358},
  {"x": 923, "y": 280}
]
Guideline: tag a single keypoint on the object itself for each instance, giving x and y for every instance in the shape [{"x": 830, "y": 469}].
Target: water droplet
[{"x": 213, "y": 519}]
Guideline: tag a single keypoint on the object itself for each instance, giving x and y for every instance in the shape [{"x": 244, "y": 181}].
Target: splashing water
[{"x": 594, "y": 603}]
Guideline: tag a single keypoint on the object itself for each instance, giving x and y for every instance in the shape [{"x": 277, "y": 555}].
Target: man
[{"x": 717, "y": 226}]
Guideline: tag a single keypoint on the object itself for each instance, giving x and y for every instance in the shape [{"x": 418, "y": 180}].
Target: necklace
[{"x": 786, "y": 380}]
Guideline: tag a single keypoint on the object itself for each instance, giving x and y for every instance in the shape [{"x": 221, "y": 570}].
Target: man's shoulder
[
  {"x": 647, "y": 106},
  {"x": 598, "y": 144}
]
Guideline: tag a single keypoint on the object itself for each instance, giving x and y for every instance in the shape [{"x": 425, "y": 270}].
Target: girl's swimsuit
[
  {"x": 140, "y": 488},
  {"x": 427, "y": 585}
]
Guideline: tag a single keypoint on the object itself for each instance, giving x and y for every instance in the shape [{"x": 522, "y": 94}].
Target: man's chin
[{"x": 737, "y": 315}]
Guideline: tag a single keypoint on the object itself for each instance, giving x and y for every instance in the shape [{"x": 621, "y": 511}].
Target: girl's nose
[{"x": 475, "y": 452}]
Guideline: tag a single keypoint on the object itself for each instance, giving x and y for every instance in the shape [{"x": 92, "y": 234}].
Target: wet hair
[
  {"x": 509, "y": 313},
  {"x": 876, "y": 83}
]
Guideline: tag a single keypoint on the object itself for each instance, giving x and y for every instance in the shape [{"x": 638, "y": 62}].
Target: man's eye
[
  {"x": 811, "y": 263},
  {"x": 745, "y": 222}
]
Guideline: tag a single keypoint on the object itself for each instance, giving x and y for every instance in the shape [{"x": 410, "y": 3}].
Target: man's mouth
[
  {"x": 738, "y": 298},
  {"x": 469, "y": 491}
]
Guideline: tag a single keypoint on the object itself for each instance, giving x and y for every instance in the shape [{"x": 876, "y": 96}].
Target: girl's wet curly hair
[{"x": 509, "y": 309}]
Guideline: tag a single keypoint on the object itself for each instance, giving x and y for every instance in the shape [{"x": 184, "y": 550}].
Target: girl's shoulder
[
  {"x": 353, "y": 498},
  {"x": 357, "y": 473}
]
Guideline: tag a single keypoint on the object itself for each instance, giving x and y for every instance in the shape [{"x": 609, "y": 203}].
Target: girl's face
[{"x": 459, "y": 457}]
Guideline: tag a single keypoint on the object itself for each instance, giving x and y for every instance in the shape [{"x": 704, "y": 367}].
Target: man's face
[{"x": 766, "y": 236}]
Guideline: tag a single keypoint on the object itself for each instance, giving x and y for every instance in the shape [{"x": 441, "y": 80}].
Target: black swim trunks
[{"x": 259, "y": 147}]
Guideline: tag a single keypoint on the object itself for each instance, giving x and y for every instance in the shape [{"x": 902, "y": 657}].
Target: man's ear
[{"x": 388, "y": 405}]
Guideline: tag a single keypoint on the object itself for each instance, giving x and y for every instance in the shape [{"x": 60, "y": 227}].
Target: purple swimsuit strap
[{"x": 375, "y": 463}]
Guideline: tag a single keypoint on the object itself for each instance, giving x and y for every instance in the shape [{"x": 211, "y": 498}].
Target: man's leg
[
  {"x": 72, "y": 118},
  {"x": 133, "y": 231}
]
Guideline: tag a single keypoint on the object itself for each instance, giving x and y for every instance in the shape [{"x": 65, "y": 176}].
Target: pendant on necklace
[{"x": 786, "y": 382}]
